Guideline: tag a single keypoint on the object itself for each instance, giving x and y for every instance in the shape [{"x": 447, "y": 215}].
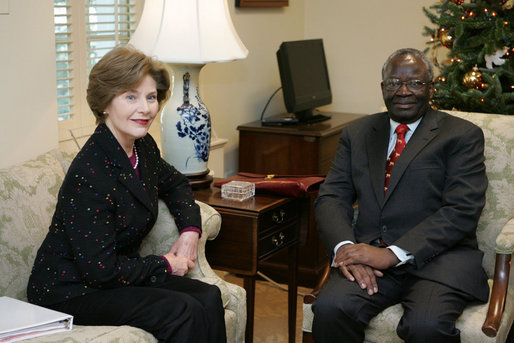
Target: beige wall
[
  {"x": 27, "y": 89},
  {"x": 358, "y": 36}
]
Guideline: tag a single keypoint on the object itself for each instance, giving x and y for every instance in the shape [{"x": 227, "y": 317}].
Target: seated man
[{"x": 414, "y": 239}]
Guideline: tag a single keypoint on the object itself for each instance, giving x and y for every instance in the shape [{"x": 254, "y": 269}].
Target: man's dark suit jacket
[
  {"x": 103, "y": 213},
  {"x": 431, "y": 209}
]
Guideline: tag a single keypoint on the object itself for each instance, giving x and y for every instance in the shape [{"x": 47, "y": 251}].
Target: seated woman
[{"x": 88, "y": 265}]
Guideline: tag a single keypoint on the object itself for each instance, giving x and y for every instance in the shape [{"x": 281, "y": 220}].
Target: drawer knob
[
  {"x": 278, "y": 241},
  {"x": 279, "y": 218}
]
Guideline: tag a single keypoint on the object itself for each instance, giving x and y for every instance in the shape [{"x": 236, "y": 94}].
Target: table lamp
[{"x": 186, "y": 35}]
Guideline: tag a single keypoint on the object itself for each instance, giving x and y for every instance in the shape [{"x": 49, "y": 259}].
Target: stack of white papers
[{"x": 21, "y": 320}]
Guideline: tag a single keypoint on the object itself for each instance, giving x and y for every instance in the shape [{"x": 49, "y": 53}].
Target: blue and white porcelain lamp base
[{"x": 186, "y": 126}]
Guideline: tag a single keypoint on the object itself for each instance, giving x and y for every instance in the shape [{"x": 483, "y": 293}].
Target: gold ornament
[
  {"x": 445, "y": 37},
  {"x": 473, "y": 79}
]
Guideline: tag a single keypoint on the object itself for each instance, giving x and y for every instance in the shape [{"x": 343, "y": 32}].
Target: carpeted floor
[{"x": 270, "y": 324}]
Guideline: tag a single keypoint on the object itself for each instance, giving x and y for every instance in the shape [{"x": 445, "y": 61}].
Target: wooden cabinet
[{"x": 300, "y": 150}]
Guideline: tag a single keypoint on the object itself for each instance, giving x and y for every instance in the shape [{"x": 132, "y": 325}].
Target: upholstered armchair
[{"x": 479, "y": 323}]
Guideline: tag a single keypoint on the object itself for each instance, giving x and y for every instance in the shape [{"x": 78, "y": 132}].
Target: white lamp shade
[{"x": 188, "y": 31}]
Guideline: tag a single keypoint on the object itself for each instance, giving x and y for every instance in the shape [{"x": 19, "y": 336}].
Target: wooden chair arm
[
  {"x": 309, "y": 298},
  {"x": 498, "y": 295}
]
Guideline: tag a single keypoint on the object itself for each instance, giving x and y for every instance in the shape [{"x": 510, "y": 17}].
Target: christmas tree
[{"x": 478, "y": 75}]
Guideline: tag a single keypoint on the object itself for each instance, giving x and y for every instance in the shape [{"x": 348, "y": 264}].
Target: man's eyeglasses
[{"x": 392, "y": 85}]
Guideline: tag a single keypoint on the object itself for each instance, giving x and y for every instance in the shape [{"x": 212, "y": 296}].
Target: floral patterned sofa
[
  {"x": 28, "y": 195},
  {"x": 495, "y": 237}
]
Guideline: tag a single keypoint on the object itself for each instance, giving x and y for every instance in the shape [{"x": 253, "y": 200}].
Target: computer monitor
[{"x": 304, "y": 77}]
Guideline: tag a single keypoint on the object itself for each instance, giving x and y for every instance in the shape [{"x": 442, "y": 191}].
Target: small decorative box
[{"x": 237, "y": 190}]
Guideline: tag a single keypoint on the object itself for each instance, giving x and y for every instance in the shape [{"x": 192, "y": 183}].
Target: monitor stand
[
  {"x": 281, "y": 119},
  {"x": 311, "y": 116},
  {"x": 304, "y": 117},
  {"x": 316, "y": 118}
]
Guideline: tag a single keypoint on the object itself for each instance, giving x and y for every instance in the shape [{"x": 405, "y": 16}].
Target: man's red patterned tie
[{"x": 398, "y": 148}]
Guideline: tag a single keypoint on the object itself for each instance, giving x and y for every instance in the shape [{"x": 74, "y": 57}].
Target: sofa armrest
[
  {"x": 505, "y": 240},
  {"x": 504, "y": 246},
  {"x": 233, "y": 296},
  {"x": 211, "y": 225},
  {"x": 211, "y": 221}
]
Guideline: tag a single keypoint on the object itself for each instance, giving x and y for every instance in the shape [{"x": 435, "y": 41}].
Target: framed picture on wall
[{"x": 262, "y": 3}]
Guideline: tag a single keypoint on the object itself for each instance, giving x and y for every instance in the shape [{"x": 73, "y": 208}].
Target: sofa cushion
[
  {"x": 28, "y": 193},
  {"x": 98, "y": 334}
]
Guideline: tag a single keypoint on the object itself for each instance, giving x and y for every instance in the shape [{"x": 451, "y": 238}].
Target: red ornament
[{"x": 458, "y": 2}]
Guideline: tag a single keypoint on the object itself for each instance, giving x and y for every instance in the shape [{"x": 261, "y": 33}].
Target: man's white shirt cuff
[{"x": 403, "y": 255}]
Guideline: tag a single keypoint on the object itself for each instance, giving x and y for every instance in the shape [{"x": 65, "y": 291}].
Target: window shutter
[
  {"x": 64, "y": 62},
  {"x": 108, "y": 23}
]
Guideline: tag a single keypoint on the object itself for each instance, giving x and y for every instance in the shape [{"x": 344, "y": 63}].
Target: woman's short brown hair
[{"x": 120, "y": 70}]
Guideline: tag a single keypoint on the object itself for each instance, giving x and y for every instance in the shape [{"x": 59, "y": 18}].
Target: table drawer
[
  {"x": 277, "y": 239},
  {"x": 279, "y": 216}
]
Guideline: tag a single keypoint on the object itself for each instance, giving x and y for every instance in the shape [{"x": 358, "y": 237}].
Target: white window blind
[
  {"x": 63, "y": 58},
  {"x": 108, "y": 23},
  {"x": 85, "y": 30}
]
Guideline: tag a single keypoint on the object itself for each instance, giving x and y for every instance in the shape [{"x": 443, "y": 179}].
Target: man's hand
[
  {"x": 362, "y": 263},
  {"x": 179, "y": 265},
  {"x": 369, "y": 255},
  {"x": 186, "y": 246},
  {"x": 365, "y": 276}
]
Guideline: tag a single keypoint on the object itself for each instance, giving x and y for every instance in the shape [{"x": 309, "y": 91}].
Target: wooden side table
[{"x": 252, "y": 231}]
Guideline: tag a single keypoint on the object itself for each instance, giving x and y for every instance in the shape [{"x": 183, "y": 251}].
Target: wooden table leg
[
  {"x": 292, "y": 291},
  {"x": 249, "y": 286}
]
